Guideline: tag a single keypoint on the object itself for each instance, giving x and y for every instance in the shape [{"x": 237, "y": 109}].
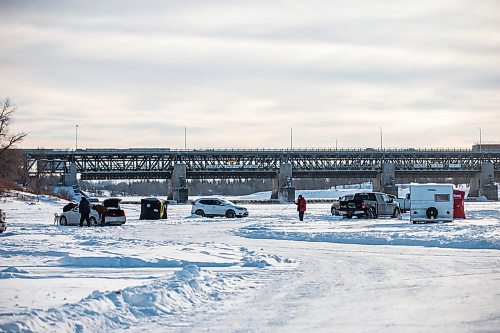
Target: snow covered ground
[{"x": 264, "y": 273}]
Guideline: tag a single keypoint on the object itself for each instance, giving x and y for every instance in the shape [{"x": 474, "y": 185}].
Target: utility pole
[
  {"x": 381, "y": 145},
  {"x": 291, "y": 138},
  {"x": 185, "y": 138},
  {"x": 76, "y": 137},
  {"x": 480, "y": 139}
]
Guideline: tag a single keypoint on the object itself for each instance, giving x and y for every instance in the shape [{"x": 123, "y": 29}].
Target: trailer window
[{"x": 441, "y": 197}]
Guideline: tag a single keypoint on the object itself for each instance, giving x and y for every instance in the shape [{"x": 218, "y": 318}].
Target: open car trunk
[
  {"x": 112, "y": 203},
  {"x": 113, "y": 207}
]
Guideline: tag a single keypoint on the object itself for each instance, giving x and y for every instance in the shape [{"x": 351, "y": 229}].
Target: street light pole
[
  {"x": 76, "y": 137},
  {"x": 480, "y": 138},
  {"x": 185, "y": 138},
  {"x": 381, "y": 145},
  {"x": 291, "y": 138}
]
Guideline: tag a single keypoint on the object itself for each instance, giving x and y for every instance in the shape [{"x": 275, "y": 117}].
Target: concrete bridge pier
[
  {"x": 282, "y": 184},
  {"x": 178, "y": 190},
  {"x": 385, "y": 181},
  {"x": 483, "y": 184},
  {"x": 69, "y": 179}
]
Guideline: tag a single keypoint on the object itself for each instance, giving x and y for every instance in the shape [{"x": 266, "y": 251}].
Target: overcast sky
[{"x": 242, "y": 74}]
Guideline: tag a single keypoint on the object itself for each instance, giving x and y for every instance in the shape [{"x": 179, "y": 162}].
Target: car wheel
[
  {"x": 396, "y": 213},
  {"x": 334, "y": 211},
  {"x": 63, "y": 220},
  {"x": 348, "y": 216},
  {"x": 230, "y": 214},
  {"x": 93, "y": 222},
  {"x": 199, "y": 212}
]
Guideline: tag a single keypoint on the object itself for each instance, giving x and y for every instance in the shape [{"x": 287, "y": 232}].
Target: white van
[{"x": 431, "y": 203}]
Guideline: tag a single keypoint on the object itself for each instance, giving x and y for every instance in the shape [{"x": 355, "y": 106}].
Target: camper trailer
[{"x": 431, "y": 203}]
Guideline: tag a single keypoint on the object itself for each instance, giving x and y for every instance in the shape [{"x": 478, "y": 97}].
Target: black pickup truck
[{"x": 369, "y": 205}]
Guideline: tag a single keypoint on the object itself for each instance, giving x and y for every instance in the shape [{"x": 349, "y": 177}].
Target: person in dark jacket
[
  {"x": 84, "y": 210},
  {"x": 301, "y": 206}
]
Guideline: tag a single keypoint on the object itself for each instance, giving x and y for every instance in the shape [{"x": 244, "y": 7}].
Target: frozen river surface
[{"x": 264, "y": 273}]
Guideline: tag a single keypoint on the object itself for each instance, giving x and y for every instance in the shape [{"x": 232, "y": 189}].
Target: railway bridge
[{"x": 387, "y": 167}]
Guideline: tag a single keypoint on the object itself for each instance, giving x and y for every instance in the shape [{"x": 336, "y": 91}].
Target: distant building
[{"x": 486, "y": 147}]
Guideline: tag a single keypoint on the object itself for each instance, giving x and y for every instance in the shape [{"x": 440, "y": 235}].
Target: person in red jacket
[{"x": 301, "y": 206}]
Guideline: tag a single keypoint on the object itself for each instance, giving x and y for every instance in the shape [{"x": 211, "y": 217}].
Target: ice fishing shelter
[
  {"x": 458, "y": 204},
  {"x": 431, "y": 203},
  {"x": 153, "y": 209}
]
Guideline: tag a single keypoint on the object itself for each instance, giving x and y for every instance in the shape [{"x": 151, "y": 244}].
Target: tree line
[
  {"x": 201, "y": 187},
  {"x": 11, "y": 160}
]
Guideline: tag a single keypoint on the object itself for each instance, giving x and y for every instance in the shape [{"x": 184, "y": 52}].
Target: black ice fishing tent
[{"x": 153, "y": 209}]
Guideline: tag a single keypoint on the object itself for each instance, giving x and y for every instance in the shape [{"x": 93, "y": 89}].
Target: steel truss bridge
[{"x": 158, "y": 163}]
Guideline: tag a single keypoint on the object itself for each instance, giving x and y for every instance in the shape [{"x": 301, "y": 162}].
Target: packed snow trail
[
  {"x": 349, "y": 288},
  {"x": 374, "y": 289}
]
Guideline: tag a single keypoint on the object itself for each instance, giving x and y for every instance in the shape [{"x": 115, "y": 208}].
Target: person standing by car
[
  {"x": 84, "y": 209},
  {"x": 102, "y": 213},
  {"x": 301, "y": 206}
]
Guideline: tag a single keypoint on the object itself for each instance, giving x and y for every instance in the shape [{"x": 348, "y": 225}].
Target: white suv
[{"x": 217, "y": 207}]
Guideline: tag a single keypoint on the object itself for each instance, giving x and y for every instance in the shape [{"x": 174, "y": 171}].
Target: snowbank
[
  {"x": 260, "y": 260},
  {"x": 458, "y": 234},
  {"x": 161, "y": 300}
]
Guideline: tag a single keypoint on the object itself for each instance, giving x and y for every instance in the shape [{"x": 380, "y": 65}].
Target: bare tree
[{"x": 7, "y": 140}]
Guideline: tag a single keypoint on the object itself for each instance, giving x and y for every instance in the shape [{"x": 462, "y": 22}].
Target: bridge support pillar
[
  {"x": 282, "y": 184},
  {"x": 385, "y": 181},
  {"x": 178, "y": 189},
  {"x": 483, "y": 184},
  {"x": 70, "y": 177}
]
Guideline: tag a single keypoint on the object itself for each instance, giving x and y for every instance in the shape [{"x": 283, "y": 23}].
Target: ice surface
[{"x": 265, "y": 273}]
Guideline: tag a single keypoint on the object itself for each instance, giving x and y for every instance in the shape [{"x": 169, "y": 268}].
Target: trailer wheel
[{"x": 431, "y": 213}]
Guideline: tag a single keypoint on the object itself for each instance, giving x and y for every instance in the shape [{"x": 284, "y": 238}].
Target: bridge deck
[{"x": 158, "y": 163}]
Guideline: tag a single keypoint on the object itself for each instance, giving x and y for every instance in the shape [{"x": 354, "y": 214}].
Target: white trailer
[{"x": 431, "y": 203}]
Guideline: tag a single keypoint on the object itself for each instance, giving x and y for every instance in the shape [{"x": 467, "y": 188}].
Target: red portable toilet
[{"x": 458, "y": 204}]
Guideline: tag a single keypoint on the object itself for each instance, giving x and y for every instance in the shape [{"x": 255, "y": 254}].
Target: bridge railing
[{"x": 204, "y": 150}]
